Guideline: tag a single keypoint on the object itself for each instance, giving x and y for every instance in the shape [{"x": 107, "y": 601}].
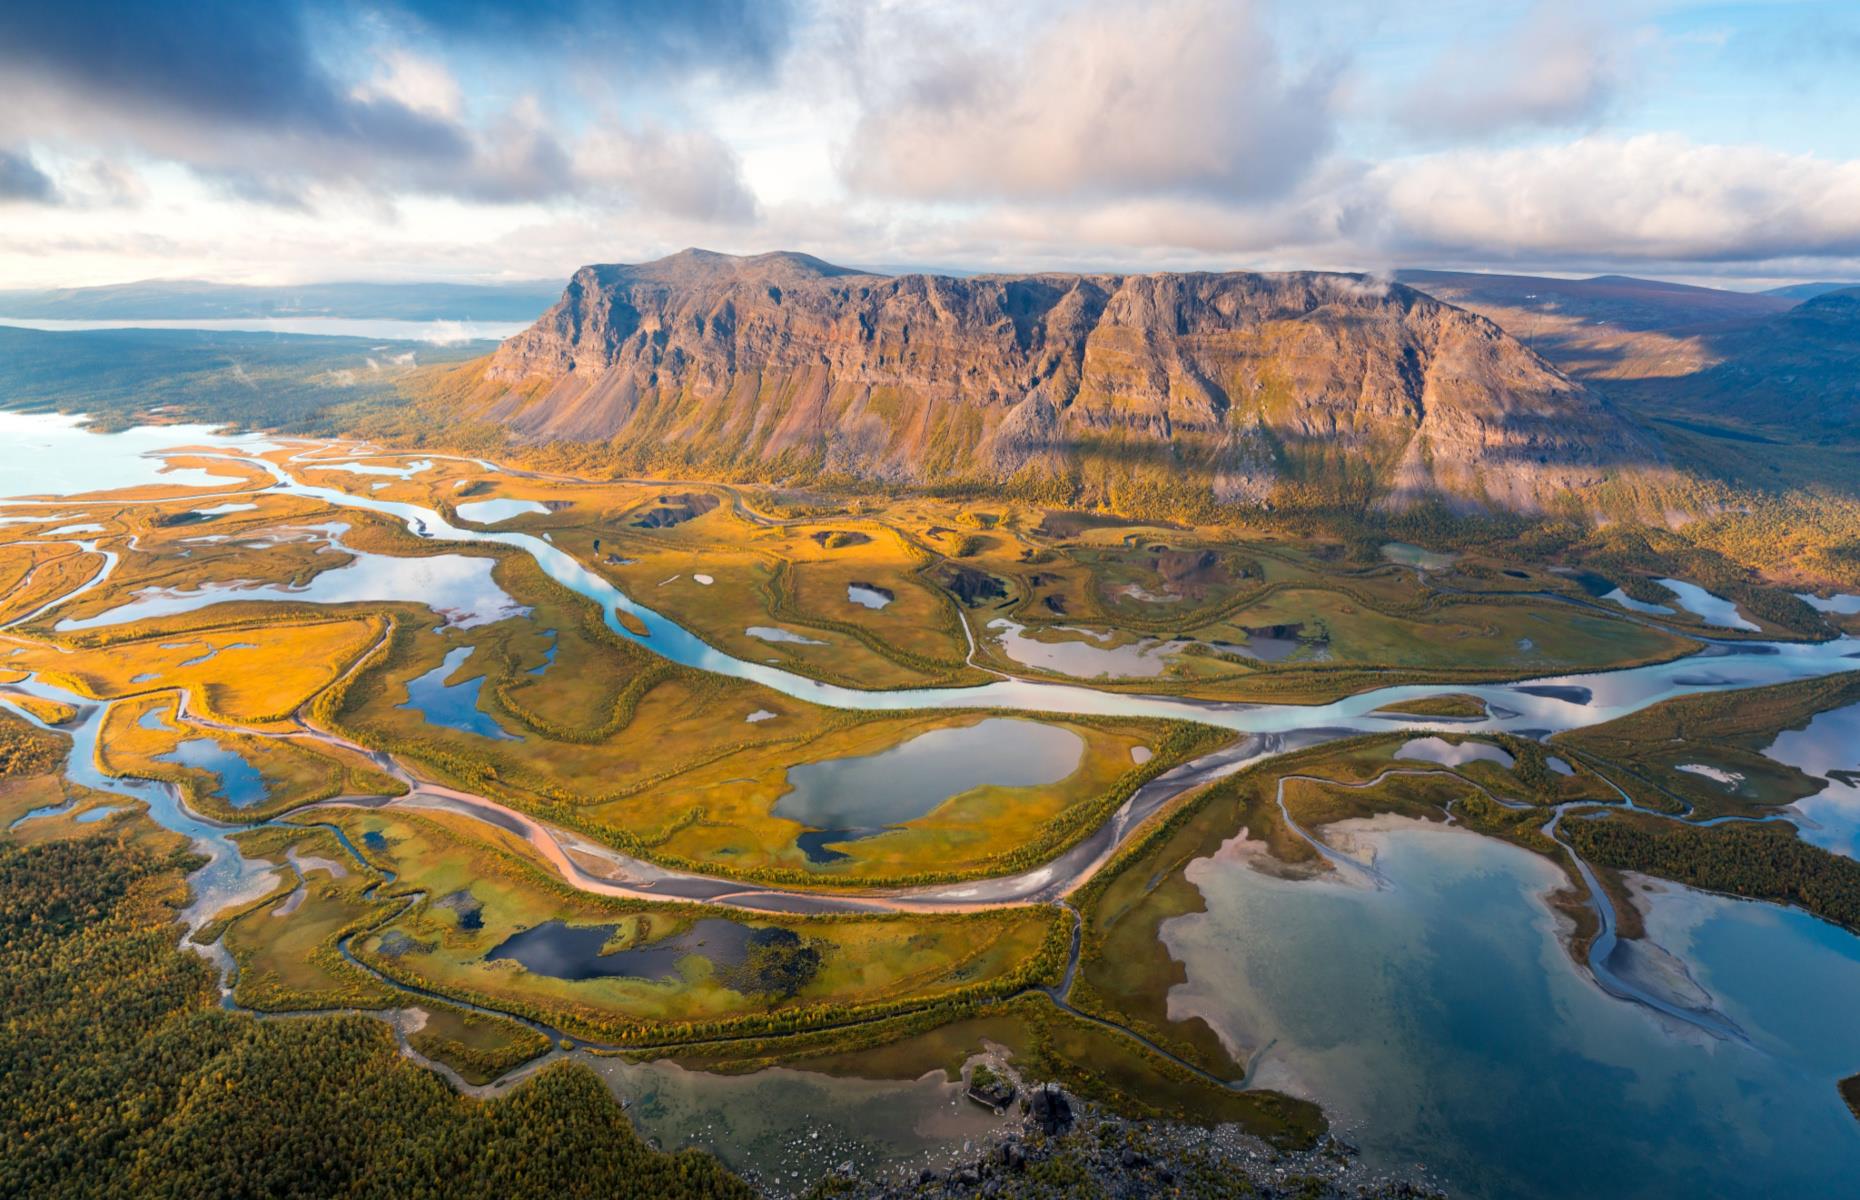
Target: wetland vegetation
[{"x": 467, "y": 797}]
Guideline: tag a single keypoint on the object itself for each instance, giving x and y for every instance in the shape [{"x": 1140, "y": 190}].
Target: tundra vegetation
[{"x": 304, "y": 721}]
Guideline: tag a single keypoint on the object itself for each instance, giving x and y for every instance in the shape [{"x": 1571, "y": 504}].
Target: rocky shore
[{"x": 1063, "y": 1148}]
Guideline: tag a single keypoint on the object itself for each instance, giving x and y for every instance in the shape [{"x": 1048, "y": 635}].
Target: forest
[
  {"x": 1761, "y": 861},
  {"x": 121, "y": 1075}
]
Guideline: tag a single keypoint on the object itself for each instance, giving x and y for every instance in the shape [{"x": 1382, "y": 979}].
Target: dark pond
[
  {"x": 465, "y": 906},
  {"x": 563, "y": 951}
]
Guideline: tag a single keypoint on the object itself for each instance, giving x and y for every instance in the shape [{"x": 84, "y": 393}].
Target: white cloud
[
  {"x": 421, "y": 84},
  {"x": 689, "y": 173},
  {"x": 1107, "y": 100},
  {"x": 1652, "y": 197},
  {"x": 1558, "y": 64}
]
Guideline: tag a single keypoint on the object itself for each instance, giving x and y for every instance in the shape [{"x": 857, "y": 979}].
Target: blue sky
[{"x": 481, "y": 139}]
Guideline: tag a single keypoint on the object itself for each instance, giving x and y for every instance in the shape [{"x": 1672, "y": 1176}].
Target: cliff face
[{"x": 1236, "y": 384}]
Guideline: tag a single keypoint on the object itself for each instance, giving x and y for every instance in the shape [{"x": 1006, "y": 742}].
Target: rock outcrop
[{"x": 1239, "y": 388}]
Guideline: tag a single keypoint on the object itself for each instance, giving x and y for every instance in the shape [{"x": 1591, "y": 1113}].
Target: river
[{"x": 1439, "y": 1016}]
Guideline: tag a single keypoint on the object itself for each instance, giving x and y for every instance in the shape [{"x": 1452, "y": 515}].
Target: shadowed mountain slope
[{"x": 1797, "y": 374}]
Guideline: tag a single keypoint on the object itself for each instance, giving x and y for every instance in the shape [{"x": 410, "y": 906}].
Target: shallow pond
[
  {"x": 1441, "y": 1021},
  {"x": 910, "y": 779},
  {"x": 454, "y": 706},
  {"x": 1416, "y": 556},
  {"x": 240, "y": 783},
  {"x": 787, "y": 1128},
  {"x": 1713, "y": 610},
  {"x": 1083, "y": 658},
  {"x": 869, "y": 595},
  {"x": 769, "y": 633},
  {"x": 563, "y": 951},
  {"x": 490, "y": 512},
  {"x": 1448, "y": 754}
]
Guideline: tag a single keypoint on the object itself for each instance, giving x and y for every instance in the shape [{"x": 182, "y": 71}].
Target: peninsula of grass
[
  {"x": 1452, "y": 705},
  {"x": 1725, "y": 734}
]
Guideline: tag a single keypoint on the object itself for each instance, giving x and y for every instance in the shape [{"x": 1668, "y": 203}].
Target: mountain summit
[{"x": 1236, "y": 387}]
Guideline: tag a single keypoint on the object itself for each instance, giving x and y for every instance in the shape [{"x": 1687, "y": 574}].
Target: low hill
[{"x": 1619, "y": 300}]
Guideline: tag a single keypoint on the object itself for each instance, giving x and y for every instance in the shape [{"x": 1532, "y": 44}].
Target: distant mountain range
[
  {"x": 1796, "y": 374},
  {"x": 1239, "y": 388},
  {"x": 183, "y": 300},
  {"x": 1808, "y": 291},
  {"x": 1786, "y": 362},
  {"x": 1618, "y": 300}
]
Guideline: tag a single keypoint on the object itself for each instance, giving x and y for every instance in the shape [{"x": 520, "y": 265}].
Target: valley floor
[{"x": 719, "y": 783}]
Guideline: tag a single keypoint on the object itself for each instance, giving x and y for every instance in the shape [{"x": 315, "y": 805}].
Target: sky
[{"x": 482, "y": 140}]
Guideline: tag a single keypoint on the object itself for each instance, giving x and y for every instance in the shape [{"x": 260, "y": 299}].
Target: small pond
[
  {"x": 848, "y": 796},
  {"x": 769, "y": 633},
  {"x": 563, "y": 951},
  {"x": 490, "y": 512},
  {"x": 1408, "y": 555},
  {"x": 870, "y": 595},
  {"x": 240, "y": 783},
  {"x": 1083, "y": 659},
  {"x": 454, "y": 706}
]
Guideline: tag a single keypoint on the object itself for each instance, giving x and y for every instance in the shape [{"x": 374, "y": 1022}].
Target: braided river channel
[{"x": 1426, "y": 999}]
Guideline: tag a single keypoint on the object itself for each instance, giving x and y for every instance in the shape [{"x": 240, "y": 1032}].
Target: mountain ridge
[{"x": 1248, "y": 388}]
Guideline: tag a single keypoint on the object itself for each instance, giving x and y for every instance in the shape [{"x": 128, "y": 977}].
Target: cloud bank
[{"x": 485, "y": 138}]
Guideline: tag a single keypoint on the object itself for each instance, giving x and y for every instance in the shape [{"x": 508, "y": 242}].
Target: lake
[
  {"x": 1439, "y": 1018},
  {"x": 1441, "y": 1021}
]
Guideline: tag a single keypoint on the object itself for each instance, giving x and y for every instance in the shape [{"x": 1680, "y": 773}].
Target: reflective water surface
[
  {"x": 454, "y": 706},
  {"x": 1439, "y": 1017},
  {"x": 909, "y": 779},
  {"x": 1441, "y": 1021}
]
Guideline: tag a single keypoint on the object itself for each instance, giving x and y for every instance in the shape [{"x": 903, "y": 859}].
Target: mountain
[
  {"x": 1808, "y": 291},
  {"x": 1609, "y": 328},
  {"x": 1796, "y": 373},
  {"x": 182, "y": 300},
  {"x": 1241, "y": 388},
  {"x": 1618, "y": 300}
]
